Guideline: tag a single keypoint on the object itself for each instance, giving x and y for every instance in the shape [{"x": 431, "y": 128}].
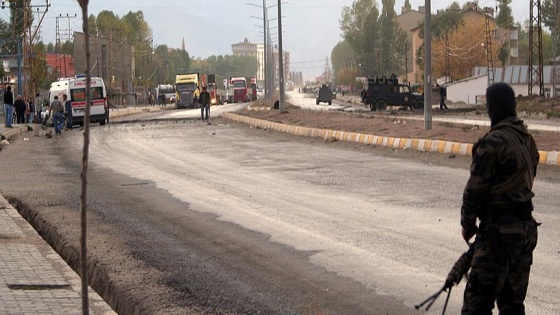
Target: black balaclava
[{"x": 500, "y": 102}]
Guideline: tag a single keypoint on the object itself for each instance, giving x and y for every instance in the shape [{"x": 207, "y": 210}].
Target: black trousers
[
  {"x": 20, "y": 116},
  {"x": 205, "y": 109}
]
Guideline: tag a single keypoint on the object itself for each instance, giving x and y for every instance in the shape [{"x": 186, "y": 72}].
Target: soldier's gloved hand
[
  {"x": 468, "y": 234},
  {"x": 449, "y": 282}
]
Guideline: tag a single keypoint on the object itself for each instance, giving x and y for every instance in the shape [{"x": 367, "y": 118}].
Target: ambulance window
[
  {"x": 96, "y": 93},
  {"x": 78, "y": 95}
]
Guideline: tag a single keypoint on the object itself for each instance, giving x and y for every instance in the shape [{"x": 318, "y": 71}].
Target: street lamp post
[
  {"x": 280, "y": 58},
  {"x": 268, "y": 54},
  {"x": 265, "y": 41},
  {"x": 427, "y": 66},
  {"x": 265, "y": 44}
]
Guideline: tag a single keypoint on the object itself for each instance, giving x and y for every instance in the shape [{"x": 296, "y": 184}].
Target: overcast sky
[{"x": 311, "y": 27}]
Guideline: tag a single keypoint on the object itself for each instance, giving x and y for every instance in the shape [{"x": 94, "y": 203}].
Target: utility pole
[
  {"x": 270, "y": 59},
  {"x": 26, "y": 83},
  {"x": 27, "y": 50},
  {"x": 280, "y": 58},
  {"x": 26, "y": 72},
  {"x": 58, "y": 47},
  {"x": 265, "y": 37},
  {"x": 535, "y": 48},
  {"x": 489, "y": 57},
  {"x": 427, "y": 66},
  {"x": 555, "y": 49},
  {"x": 57, "y": 44},
  {"x": 447, "y": 57},
  {"x": 69, "y": 28}
]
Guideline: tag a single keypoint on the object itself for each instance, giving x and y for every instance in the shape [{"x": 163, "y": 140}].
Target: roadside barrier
[{"x": 423, "y": 145}]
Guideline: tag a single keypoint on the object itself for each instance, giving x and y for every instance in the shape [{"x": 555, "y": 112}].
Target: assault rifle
[{"x": 458, "y": 271}]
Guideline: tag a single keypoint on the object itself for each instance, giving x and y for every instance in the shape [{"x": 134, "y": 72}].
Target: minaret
[{"x": 183, "y": 45}]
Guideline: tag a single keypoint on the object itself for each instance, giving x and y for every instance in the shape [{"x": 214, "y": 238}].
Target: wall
[
  {"x": 467, "y": 90},
  {"x": 408, "y": 21}
]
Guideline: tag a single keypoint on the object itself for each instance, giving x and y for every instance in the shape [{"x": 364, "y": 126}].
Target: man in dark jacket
[
  {"x": 8, "y": 107},
  {"x": 161, "y": 99},
  {"x": 499, "y": 194},
  {"x": 442, "y": 97},
  {"x": 204, "y": 104},
  {"x": 67, "y": 112},
  {"x": 20, "y": 106}
]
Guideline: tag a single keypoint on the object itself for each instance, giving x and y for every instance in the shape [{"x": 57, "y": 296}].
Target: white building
[
  {"x": 470, "y": 90},
  {"x": 246, "y": 48},
  {"x": 473, "y": 90}
]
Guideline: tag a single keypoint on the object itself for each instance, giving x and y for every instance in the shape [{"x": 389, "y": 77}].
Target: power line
[
  {"x": 68, "y": 30},
  {"x": 26, "y": 83}
]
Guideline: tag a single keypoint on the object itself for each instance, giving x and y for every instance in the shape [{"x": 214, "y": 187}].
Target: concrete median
[{"x": 424, "y": 145}]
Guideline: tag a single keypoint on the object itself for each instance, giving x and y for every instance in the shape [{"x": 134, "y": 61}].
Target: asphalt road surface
[{"x": 224, "y": 218}]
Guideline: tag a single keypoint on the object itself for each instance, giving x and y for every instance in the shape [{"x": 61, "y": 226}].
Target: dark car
[{"x": 325, "y": 95}]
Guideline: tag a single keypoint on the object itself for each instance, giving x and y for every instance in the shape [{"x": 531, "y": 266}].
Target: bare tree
[{"x": 83, "y": 198}]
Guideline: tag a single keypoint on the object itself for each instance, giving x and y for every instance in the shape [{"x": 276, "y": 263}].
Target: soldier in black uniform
[
  {"x": 499, "y": 194},
  {"x": 442, "y": 96}
]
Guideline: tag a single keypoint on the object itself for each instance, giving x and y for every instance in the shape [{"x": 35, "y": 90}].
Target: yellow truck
[{"x": 187, "y": 87}]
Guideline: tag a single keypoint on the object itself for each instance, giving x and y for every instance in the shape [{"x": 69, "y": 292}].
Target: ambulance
[{"x": 75, "y": 89}]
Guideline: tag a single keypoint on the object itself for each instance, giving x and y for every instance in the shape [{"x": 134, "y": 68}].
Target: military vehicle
[
  {"x": 324, "y": 94},
  {"x": 383, "y": 92}
]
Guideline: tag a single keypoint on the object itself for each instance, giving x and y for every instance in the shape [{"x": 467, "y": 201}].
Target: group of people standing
[
  {"x": 161, "y": 100},
  {"x": 24, "y": 110},
  {"x": 27, "y": 112}
]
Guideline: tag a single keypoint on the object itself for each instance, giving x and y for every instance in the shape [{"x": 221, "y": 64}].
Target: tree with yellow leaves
[{"x": 464, "y": 47}]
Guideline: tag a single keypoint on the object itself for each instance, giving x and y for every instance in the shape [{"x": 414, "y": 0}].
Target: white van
[{"x": 75, "y": 89}]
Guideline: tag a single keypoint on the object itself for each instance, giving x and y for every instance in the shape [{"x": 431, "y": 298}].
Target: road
[{"x": 225, "y": 218}]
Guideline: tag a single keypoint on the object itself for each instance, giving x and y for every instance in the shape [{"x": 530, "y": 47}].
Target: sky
[{"x": 310, "y": 28}]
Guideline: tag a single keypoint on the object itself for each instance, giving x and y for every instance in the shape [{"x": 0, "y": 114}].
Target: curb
[
  {"x": 423, "y": 145},
  {"x": 258, "y": 108},
  {"x": 6, "y": 134},
  {"x": 120, "y": 112}
]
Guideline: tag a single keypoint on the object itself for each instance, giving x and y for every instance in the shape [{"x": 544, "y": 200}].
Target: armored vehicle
[
  {"x": 324, "y": 94},
  {"x": 383, "y": 92}
]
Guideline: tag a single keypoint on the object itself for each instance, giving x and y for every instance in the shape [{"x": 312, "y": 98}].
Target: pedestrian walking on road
[
  {"x": 57, "y": 113},
  {"x": 68, "y": 111},
  {"x": 442, "y": 97},
  {"x": 8, "y": 107},
  {"x": 20, "y": 107},
  {"x": 499, "y": 195},
  {"x": 204, "y": 104},
  {"x": 161, "y": 99}
]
